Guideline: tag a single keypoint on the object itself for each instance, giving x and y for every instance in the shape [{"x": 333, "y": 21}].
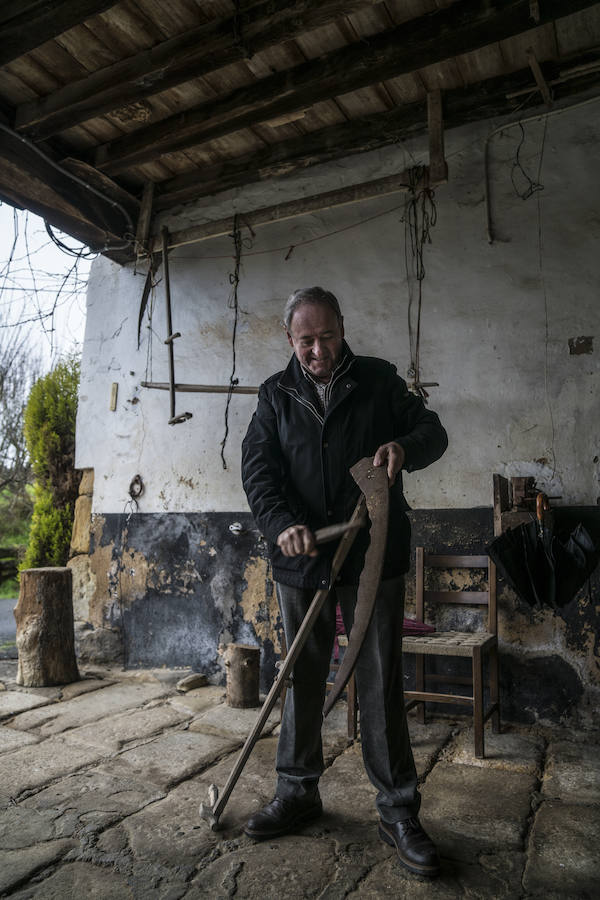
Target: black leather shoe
[
  {"x": 416, "y": 850},
  {"x": 283, "y": 815}
]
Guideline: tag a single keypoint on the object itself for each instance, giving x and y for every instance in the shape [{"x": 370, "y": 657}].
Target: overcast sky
[{"x": 41, "y": 286}]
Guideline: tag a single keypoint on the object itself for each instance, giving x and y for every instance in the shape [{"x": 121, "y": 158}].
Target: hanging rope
[
  {"x": 419, "y": 218},
  {"x": 531, "y": 186},
  {"x": 234, "y": 280}
]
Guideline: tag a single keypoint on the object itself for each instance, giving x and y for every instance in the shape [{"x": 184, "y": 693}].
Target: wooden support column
[
  {"x": 438, "y": 167},
  {"x": 145, "y": 219},
  {"x": 539, "y": 77},
  {"x": 45, "y": 635}
]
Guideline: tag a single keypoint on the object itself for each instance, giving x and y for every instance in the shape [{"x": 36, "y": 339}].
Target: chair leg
[
  {"x": 420, "y": 685},
  {"x": 495, "y": 689},
  {"x": 478, "y": 701},
  {"x": 352, "y": 708}
]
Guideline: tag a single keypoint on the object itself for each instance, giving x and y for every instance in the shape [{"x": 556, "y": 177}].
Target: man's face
[{"x": 316, "y": 336}]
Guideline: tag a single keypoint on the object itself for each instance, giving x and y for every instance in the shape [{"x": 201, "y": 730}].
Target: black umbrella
[{"x": 544, "y": 568}]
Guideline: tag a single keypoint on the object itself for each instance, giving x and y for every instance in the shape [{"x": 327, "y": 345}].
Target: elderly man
[{"x": 314, "y": 420}]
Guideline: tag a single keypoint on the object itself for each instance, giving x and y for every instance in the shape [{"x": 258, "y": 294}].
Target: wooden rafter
[
  {"x": 87, "y": 211},
  {"x": 303, "y": 206},
  {"x": 539, "y": 77},
  {"x": 458, "y": 29},
  {"x": 27, "y": 25},
  {"x": 192, "y": 54},
  {"x": 487, "y": 99}
]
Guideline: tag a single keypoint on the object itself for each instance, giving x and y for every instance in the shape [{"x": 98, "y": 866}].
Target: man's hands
[
  {"x": 297, "y": 540},
  {"x": 391, "y": 455}
]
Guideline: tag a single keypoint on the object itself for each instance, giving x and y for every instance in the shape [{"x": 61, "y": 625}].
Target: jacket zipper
[
  {"x": 335, "y": 381},
  {"x": 296, "y": 396}
]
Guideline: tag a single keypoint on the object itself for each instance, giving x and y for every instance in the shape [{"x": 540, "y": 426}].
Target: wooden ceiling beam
[
  {"x": 430, "y": 39},
  {"x": 27, "y": 25},
  {"x": 290, "y": 209},
  {"x": 192, "y": 54},
  {"x": 488, "y": 99},
  {"x": 32, "y": 180}
]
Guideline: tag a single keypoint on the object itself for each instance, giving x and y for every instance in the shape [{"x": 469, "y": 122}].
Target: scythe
[{"x": 374, "y": 499}]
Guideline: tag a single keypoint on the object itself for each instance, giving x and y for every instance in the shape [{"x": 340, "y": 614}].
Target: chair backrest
[{"x": 473, "y": 598}]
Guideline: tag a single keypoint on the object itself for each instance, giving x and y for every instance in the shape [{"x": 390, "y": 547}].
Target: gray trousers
[{"x": 385, "y": 740}]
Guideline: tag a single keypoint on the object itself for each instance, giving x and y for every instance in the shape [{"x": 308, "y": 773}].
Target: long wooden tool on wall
[{"x": 171, "y": 335}]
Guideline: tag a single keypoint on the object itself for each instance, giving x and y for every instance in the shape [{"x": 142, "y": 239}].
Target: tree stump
[
  {"x": 243, "y": 666},
  {"x": 45, "y": 636}
]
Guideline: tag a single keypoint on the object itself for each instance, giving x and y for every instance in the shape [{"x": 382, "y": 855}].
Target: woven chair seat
[{"x": 447, "y": 643}]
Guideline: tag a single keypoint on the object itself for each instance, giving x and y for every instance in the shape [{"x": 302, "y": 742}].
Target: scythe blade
[{"x": 373, "y": 482}]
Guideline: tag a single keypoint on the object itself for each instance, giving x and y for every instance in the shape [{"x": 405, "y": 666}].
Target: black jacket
[{"x": 295, "y": 461}]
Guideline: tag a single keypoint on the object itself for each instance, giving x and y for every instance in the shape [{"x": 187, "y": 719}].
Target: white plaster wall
[{"x": 495, "y": 324}]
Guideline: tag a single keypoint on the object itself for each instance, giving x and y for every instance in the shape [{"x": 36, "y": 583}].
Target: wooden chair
[{"x": 471, "y": 645}]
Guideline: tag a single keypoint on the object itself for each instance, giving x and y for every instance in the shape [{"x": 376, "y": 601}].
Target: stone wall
[
  {"x": 174, "y": 589},
  {"x": 509, "y": 331}
]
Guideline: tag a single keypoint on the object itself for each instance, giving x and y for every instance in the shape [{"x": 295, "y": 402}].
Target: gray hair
[{"x": 310, "y": 295}]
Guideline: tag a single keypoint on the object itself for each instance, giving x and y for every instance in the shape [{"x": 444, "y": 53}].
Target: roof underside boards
[{"x": 199, "y": 96}]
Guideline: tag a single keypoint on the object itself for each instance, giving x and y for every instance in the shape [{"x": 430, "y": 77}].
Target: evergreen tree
[{"x": 50, "y": 435}]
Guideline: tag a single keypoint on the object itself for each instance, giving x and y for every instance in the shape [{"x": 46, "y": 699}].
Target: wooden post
[
  {"x": 243, "y": 666},
  {"x": 45, "y": 637},
  {"x": 144, "y": 220},
  {"x": 438, "y": 167}
]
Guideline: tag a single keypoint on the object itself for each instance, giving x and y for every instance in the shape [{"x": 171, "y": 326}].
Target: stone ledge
[
  {"x": 572, "y": 773},
  {"x": 563, "y": 851}
]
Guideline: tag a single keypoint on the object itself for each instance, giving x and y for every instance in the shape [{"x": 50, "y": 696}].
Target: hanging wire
[
  {"x": 81, "y": 253},
  {"x": 420, "y": 216},
  {"x": 6, "y": 268},
  {"x": 149, "y": 344},
  {"x": 545, "y": 294},
  {"x": 233, "y": 303},
  {"x": 42, "y": 293},
  {"x": 532, "y": 187},
  {"x": 128, "y": 235}
]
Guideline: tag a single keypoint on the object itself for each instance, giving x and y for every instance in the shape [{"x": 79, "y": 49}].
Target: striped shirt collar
[{"x": 323, "y": 390}]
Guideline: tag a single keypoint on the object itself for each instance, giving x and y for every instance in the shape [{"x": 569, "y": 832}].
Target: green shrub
[
  {"x": 16, "y": 505},
  {"x": 50, "y": 434}
]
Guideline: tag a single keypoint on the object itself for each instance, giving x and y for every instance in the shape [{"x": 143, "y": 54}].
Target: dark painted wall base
[
  {"x": 182, "y": 584},
  {"x": 183, "y": 599}
]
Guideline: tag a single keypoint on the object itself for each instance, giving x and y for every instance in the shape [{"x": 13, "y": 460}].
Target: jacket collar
[
  {"x": 294, "y": 383},
  {"x": 293, "y": 376}
]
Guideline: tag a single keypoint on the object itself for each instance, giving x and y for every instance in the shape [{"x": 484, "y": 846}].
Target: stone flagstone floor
[{"x": 101, "y": 780}]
